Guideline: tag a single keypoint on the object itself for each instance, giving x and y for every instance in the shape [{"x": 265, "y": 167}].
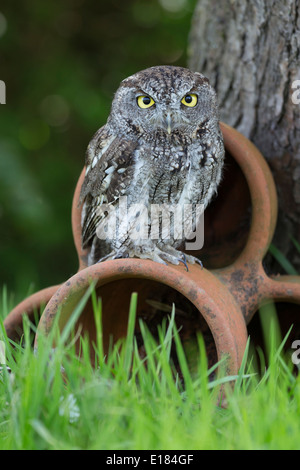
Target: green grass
[{"x": 51, "y": 399}]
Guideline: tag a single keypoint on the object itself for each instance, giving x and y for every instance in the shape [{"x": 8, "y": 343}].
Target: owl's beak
[{"x": 168, "y": 123}]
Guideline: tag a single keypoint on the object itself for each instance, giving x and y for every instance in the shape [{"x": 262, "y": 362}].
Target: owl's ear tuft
[
  {"x": 201, "y": 77},
  {"x": 128, "y": 82}
]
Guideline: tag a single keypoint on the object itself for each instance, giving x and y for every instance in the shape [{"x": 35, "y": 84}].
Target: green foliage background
[{"x": 62, "y": 62}]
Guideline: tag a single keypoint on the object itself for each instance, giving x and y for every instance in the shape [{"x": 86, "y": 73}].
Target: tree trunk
[{"x": 250, "y": 51}]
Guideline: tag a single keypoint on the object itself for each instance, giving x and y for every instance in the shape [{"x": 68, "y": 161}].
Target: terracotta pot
[
  {"x": 239, "y": 227},
  {"x": 204, "y": 304},
  {"x": 240, "y": 219}
]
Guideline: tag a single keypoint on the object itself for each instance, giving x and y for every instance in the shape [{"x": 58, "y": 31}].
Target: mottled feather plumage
[{"x": 166, "y": 154}]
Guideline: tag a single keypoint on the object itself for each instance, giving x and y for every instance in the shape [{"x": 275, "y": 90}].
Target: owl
[{"x": 160, "y": 151}]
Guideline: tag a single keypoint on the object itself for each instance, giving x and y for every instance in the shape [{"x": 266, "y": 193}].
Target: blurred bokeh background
[{"x": 62, "y": 62}]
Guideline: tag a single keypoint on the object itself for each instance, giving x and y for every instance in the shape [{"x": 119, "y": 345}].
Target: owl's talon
[
  {"x": 113, "y": 255},
  {"x": 194, "y": 260},
  {"x": 107, "y": 257},
  {"x": 199, "y": 262},
  {"x": 121, "y": 256},
  {"x": 183, "y": 260}
]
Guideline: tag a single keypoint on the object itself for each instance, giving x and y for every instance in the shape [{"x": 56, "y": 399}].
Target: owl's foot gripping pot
[{"x": 219, "y": 300}]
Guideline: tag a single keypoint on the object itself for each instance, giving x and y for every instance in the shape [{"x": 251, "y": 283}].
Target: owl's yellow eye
[
  {"x": 190, "y": 100},
  {"x": 145, "y": 101}
]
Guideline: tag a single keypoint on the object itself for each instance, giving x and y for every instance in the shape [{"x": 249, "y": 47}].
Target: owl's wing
[{"x": 109, "y": 169}]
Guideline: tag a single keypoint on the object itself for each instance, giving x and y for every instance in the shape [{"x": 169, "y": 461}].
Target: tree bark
[{"x": 250, "y": 51}]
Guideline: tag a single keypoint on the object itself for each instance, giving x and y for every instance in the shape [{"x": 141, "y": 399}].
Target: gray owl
[{"x": 161, "y": 147}]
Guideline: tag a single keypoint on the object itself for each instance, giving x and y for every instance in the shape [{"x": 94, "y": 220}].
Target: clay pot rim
[{"x": 14, "y": 320}]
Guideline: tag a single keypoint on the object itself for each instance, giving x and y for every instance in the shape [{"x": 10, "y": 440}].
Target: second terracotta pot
[{"x": 202, "y": 303}]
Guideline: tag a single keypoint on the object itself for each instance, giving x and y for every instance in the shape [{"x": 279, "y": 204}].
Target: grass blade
[{"x": 282, "y": 260}]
